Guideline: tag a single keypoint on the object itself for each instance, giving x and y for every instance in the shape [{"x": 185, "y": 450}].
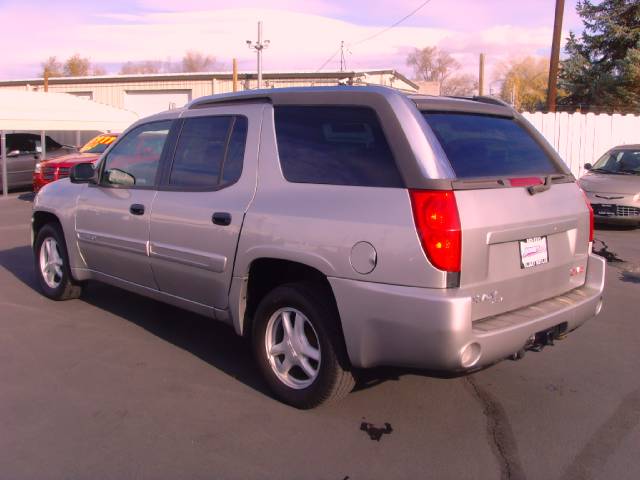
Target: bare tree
[
  {"x": 462, "y": 85},
  {"x": 74, "y": 66},
  {"x": 143, "y": 67},
  {"x": 524, "y": 82},
  {"x": 51, "y": 68},
  {"x": 198, "y": 62},
  {"x": 97, "y": 70},
  {"x": 431, "y": 64},
  {"x": 77, "y": 66}
]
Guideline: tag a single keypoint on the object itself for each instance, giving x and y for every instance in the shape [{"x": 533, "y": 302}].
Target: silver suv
[{"x": 338, "y": 228}]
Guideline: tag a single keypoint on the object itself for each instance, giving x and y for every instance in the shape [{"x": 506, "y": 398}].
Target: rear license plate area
[{"x": 533, "y": 252}]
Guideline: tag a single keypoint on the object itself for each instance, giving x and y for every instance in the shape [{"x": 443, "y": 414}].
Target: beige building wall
[{"x": 111, "y": 90}]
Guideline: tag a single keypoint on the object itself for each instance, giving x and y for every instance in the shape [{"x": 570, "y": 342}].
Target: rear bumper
[{"x": 432, "y": 329}]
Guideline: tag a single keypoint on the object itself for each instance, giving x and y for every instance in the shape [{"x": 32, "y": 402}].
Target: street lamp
[{"x": 258, "y": 47}]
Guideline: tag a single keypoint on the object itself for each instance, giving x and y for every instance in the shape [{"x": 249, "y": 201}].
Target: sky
[{"x": 303, "y": 34}]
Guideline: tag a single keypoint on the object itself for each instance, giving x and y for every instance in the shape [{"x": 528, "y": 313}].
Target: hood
[
  {"x": 71, "y": 159},
  {"x": 605, "y": 183}
]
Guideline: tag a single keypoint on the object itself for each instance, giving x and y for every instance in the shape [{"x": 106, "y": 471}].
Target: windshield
[
  {"x": 98, "y": 144},
  {"x": 487, "y": 146},
  {"x": 619, "y": 162}
]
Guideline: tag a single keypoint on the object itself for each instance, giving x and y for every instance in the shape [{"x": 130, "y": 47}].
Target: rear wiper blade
[{"x": 533, "y": 189}]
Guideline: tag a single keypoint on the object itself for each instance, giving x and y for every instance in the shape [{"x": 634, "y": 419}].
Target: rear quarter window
[
  {"x": 334, "y": 145},
  {"x": 488, "y": 146}
]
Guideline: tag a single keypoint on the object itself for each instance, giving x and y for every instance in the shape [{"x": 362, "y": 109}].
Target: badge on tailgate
[{"x": 533, "y": 251}]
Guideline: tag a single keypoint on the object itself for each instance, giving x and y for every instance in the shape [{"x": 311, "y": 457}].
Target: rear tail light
[
  {"x": 438, "y": 224},
  {"x": 586, "y": 199}
]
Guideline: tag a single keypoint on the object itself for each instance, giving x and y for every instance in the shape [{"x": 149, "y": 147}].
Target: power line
[
  {"x": 377, "y": 34},
  {"x": 328, "y": 60},
  {"x": 384, "y": 30}
]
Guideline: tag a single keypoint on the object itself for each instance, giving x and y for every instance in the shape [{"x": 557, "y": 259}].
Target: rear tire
[
  {"x": 299, "y": 347},
  {"x": 52, "y": 265}
]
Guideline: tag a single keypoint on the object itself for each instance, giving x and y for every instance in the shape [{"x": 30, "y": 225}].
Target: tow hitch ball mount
[{"x": 542, "y": 339}]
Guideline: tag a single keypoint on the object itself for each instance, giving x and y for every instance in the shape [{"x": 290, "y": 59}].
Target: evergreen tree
[{"x": 602, "y": 70}]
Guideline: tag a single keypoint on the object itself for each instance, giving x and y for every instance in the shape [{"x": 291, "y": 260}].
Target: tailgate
[
  {"x": 518, "y": 247},
  {"x": 503, "y": 272}
]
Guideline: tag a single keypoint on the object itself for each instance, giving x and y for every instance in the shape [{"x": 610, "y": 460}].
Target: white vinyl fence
[{"x": 582, "y": 138}]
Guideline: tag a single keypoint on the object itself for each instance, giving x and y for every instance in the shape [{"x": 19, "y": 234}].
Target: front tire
[
  {"x": 299, "y": 348},
  {"x": 52, "y": 265}
]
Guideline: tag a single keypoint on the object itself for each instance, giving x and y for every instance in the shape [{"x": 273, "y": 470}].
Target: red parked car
[{"x": 56, "y": 168}]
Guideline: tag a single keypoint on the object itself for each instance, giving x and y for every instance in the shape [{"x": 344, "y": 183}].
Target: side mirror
[
  {"x": 82, "y": 173},
  {"x": 13, "y": 153},
  {"x": 588, "y": 166}
]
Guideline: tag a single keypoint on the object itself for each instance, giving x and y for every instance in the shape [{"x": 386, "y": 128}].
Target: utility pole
[
  {"x": 3, "y": 147},
  {"x": 481, "y": 76},
  {"x": 552, "y": 91},
  {"x": 258, "y": 47},
  {"x": 235, "y": 75}
]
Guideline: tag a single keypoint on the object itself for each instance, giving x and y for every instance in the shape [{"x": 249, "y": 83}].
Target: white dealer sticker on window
[{"x": 533, "y": 251}]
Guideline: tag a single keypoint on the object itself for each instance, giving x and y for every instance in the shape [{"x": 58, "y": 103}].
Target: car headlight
[
  {"x": 636, "y": 197},
  {"x": 37, "y": 168}
]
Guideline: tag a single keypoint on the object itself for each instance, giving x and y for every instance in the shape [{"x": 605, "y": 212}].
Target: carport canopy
[
  {"x": 42, "y": 111},
  {"x": 39, "y": 111}
]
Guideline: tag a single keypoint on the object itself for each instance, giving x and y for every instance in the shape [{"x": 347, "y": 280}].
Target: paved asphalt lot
[{"x": 115, "y": 386}]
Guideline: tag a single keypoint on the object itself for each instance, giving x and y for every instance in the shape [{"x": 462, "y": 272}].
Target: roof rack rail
[
  {"x": 234, "y": 97},
  {"x": 491, "y": 100}
]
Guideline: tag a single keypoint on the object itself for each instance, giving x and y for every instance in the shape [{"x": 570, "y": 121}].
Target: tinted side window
[
  {"x": 200, "y": 152},
  {"x": 134, "y": 160},
  {"x": 486, "y": 146},
  {"x": 334, "y": 145},
  {"x": 209, "y": 152},
  {"x": 232, "y": 168}
]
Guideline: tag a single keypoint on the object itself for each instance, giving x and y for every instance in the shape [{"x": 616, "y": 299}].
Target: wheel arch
[
  {"x": 263, "y": 275},
  {"x": 41, "y": 218}
]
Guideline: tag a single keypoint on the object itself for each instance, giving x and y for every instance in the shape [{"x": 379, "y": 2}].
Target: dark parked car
[{"x": 23, "y": 152}]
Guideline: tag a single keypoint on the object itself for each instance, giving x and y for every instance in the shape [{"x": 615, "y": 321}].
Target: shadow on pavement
[
  {"x": 19, "y": 262},
  {"x": 27, "y": 196},
  {"x": 207, "y": 339},
  {"x": 211, "y": 341}
]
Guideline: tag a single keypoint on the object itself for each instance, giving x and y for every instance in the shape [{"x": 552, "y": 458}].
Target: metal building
[{"x": 151, "y": 93}]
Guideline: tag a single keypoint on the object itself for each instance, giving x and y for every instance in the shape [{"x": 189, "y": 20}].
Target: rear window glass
[
  {"x": 487, "y": 146},
  {"x": 335, "y": 146}
]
